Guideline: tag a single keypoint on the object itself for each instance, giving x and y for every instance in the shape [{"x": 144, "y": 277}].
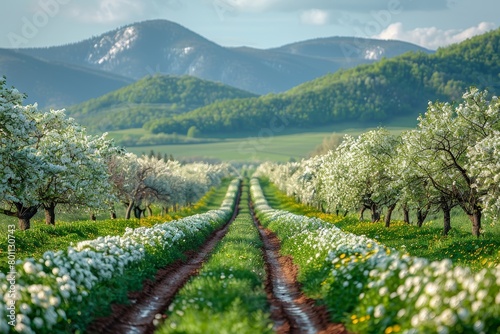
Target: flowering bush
[
  {"x": 374, "y": 289},
  {"x": 47, "y": 288}
]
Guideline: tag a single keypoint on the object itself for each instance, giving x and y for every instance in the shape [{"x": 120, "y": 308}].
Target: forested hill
[
  {"x": 151, "y": 98},
  {"x": 375, "y": 93}
]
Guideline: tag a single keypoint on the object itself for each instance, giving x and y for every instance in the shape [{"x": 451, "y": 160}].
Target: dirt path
[
  {"x": 292, "y": 312},
  {"x": 156, "y": 295}
]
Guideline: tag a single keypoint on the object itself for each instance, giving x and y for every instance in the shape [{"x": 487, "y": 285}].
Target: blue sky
[{"x": 254, "y": 23}]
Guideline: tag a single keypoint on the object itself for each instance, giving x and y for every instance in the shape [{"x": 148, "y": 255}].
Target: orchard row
[
  {"x": 374, "y": 289},
  {"x": 452, "y": 159},
  {"x": 58, "y": 293},
  {"x": 47, "y": 159}
]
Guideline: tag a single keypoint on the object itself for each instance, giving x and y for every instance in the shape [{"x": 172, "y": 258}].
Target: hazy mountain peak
[{"x": 113, "y": 47}]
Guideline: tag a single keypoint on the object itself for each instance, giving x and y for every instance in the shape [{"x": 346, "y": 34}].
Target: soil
[{"x": 292, "y": 312}]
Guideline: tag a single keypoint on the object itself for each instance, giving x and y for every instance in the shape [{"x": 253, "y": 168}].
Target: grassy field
[{"x": 265, "y": 146}]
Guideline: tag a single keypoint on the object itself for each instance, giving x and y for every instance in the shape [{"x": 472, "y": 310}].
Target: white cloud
[
  {"x": 303, "y": 5},
  {"x": 432, "y": 37},
  {"x": 106, "y": 11},
  {"x": 252, "y": 6},
  {"x": 314, "y": 17}
]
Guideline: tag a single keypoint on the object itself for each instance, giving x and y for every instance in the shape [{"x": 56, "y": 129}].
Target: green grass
[
  {"x": 63, "y": 214},
  {"x": 79, "y": 215},
  {"x": 262, "y": 144},
  {"x": 427, "y": 242},
  {"x": 140, "y": 137},
  {"x": 279, "y": 148},
  {"x": 119, "y": 134},
  {"x": 228, "y": 295},
  {"x": 41, "y": 237},
  {"x": 459, "y": 246}
]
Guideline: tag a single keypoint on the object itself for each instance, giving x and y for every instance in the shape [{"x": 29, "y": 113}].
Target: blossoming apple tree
[
  {"x": 21, "y": 169},
  {"x": 448, "y": 148},
  {"x": 47, "y": 159},
  {"x": 360, "y": 171},
  {"x": 142, "y": 181},
  {"x": 82, "y": 177}
]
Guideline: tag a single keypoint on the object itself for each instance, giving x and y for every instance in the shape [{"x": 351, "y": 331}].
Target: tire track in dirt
[
  {"x": 156, "y": 295},
  {"x": 291, "y": 311}
]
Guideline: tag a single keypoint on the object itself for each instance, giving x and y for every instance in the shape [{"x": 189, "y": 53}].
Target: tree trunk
[
  {"x": 390, "y": 209},
  {"x": 406, "y": 215},
  {"x": 164, "y": 210},
  {"x": 112, "y": 212},
  {"x": 446, "y": 218},
  {"x": 138, "y": 212},
  {"x": 476, "y": 221},
  {"x": 50, "y": 213},
  {"x": 420, "y": 218},
  {"x": 24, "y": 223},
  {"x": 422, "y": 214},
  {"x": 129, "y": 210},
  {"x": 150, "y": 211},
  {"x": 362, "y": 213},
  {"x": 24, "y": 215},
  {"x": 375, "y": 213}
]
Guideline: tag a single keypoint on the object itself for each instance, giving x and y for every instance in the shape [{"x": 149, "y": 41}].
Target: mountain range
[
  {"x": 62, "y": 75},
  {"x": 367, "y": 94}
]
